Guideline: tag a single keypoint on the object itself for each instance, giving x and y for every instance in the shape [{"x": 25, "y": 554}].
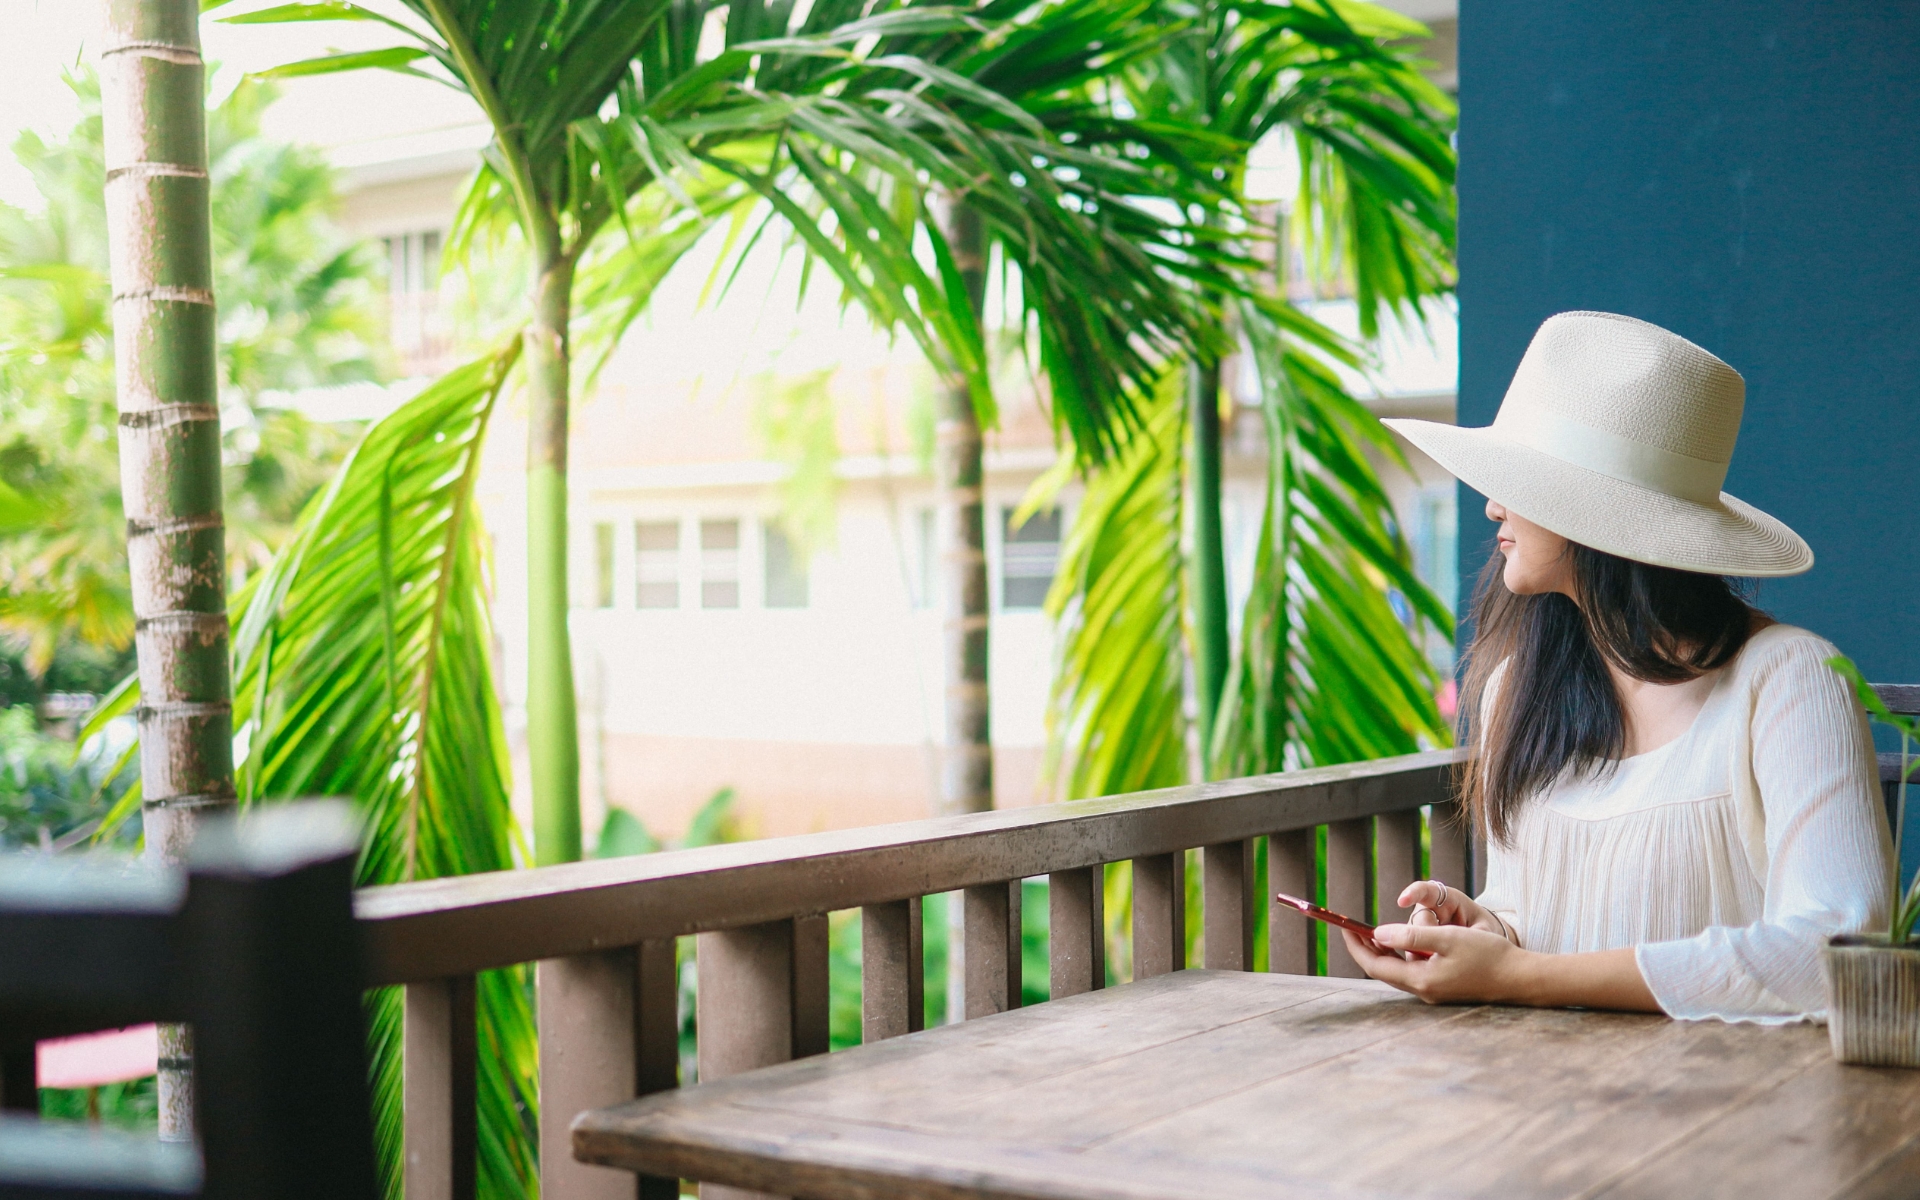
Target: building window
[
  {"x": 413, "y": 262},
  {"x": 1028, "y": 556},
  {"x": 926, "y": 559},
  {"x": 603, "y": 565},
  {"x": 1433, "y": 533},
  {"x": 786, "y": 566},
  {"x": 719, "y": 564},
  {"x": 656, "y": 564},
  {"x": 420, "y": 331}
]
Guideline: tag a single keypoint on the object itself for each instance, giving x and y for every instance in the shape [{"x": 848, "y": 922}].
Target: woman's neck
[{"x": 1657, "y": 713}]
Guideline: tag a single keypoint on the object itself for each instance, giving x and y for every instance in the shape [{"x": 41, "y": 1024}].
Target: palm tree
[
  {"x": 167, "y": 374},
  {"x": 595, "y": 105},
  {"x": 1325, "y": 671}
]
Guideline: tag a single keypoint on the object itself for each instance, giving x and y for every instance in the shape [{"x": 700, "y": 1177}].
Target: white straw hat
[{"x": 1617, "y": 434}]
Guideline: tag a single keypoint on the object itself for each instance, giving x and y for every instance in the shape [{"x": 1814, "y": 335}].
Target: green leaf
[
  {"x": 393, "y": 58},
  {"x": 622, "y": 834},
  {"x": 364, "y": 668},
  {"x": 325, "y": 10}
]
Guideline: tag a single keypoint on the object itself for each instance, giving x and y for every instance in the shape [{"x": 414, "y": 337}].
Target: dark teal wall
[{"x": 1747, "y": 175}]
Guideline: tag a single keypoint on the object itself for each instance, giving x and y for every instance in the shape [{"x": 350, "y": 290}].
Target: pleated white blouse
[{"x": 1725, "y": 857}]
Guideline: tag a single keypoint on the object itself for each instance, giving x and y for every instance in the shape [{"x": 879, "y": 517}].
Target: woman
[{"x": 1680, "y": 797}]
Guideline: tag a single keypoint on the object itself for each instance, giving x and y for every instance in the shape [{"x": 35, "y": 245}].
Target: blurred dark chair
[
  {"x": 1901, "y": 699},
  {"x": 254, "y": 946}
]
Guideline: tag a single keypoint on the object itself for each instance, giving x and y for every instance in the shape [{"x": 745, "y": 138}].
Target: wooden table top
[{"x": 1218, "y": 1084}]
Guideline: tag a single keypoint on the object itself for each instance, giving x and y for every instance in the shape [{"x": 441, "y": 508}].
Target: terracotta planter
[{"x": 1873, "y": 1001}]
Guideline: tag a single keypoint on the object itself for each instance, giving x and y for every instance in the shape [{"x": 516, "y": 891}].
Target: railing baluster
[
  {"x": 1447, "y": 846},
  {"x": 745, "y": 1004},
  {"x": 19, "y": 1086},
  {"x": 656, "y": 1037},
  {"x": 585, "y": 1011},
  {"x": 745, "y": 1008},
  {"x": 1159, "y": 914},
  {"x": 1397, "y": 838},
  {"x": 1349, "y": 864},
  {"x": 1076, "y": 915},
  {"x": 437, "y": 1090},
  {"x": 892, "y": 970},
  {"x": 1226, "y": 908},
  {"x": 1290, "y": 869},
  {"x": 990, "y": 927},
  {"x": 811, "y": 1019}
]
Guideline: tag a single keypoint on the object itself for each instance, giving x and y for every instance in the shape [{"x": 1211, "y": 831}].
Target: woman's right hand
[{"x": 1439, "y": 904}]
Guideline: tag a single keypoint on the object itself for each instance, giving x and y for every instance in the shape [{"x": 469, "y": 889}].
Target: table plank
[
  {"x": 1830, "y": 1130},
  {"x": 1507, "y": 1103},
  {"x": 1227, "y": 1084}
]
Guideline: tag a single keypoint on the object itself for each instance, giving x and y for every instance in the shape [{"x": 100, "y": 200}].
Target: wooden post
[
  {"x": 1349, "y": 867},
  {"x": 1290, "y": 869},
  {"x": 437, "y": 1090},
  {"x": 1447, "y": 846},
  {"x": 19, "y": 1089},
  {"x": 585, "y": 1006},
  {"x": 746, "y": 1008},
  {"x": 1159, "y": 914},
  {"x": 892, "y": 970},
  {"x": 1397, "y": 838},
  {"x": 1076, "y": 915},
  {"x": 990, "y": 923},
  {"x": 656, "y": 1037},
  {"x": 810, "y": 986},
  {"x": 1226, "y": 909}
]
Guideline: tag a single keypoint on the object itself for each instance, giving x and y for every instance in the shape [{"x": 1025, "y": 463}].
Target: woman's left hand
[{"x": 1464, "y": 964}]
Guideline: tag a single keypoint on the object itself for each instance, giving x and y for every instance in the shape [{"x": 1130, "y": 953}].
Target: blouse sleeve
[{"x": 1828, "y": 855}]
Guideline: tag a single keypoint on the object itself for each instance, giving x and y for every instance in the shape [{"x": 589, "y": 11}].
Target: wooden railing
[{"x": 602, "y": 935}]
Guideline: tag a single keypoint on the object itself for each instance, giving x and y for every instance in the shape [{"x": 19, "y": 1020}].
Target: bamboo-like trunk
[
  {"x": 1207, "y": 565},
  {"x": 553, "y": 741},
  {"x": 966, "y": 778},
  {"x": 166, "y": 367},
  {"x": 966, "y": 765}
]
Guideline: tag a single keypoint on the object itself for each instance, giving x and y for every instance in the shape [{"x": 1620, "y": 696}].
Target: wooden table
[{"x": 1217, "y": 1085}]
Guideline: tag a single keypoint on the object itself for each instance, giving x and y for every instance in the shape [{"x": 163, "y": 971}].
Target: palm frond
[
  {"x": 1115, "y": 719},
  {"x": 1325, "y": 671},
  {"x": 363, "y": 668}
]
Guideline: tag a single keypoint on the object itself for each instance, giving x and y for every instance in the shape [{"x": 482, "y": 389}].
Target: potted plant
[{"x": 1873, "y": 979}]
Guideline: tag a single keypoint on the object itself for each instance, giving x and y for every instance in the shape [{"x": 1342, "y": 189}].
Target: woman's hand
[
  {"x": 1461, "y": 963},
  {"x": 1477, "y": 966},
  {"x": 1438, "y": 904}
]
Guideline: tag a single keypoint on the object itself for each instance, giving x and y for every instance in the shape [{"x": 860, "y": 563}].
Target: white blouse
[{"x": 1726, "y": 856}]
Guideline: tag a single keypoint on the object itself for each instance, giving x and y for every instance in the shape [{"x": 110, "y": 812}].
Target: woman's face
[{"x": 1537, "y": 559}]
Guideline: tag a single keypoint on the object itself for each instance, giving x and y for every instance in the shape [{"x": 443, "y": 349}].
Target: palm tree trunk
[
  {"x": 966, "y": 767},
  {"x": 1207, "y": 565},
  {"x": 167, "y": 377},
  {"x": 553, "y": 741},
  {"x": 966, "y": 782}
]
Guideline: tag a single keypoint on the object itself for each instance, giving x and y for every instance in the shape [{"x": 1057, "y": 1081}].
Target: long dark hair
[{"x": 1555, "y": 706}]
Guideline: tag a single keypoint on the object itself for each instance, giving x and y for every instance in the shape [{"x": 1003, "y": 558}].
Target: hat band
[{"x": 1679, "y": 475}]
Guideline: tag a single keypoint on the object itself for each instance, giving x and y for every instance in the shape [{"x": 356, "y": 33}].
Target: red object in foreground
[
  {"x": 92, "y": 1059},
  {"x": 1309, "y": 908},
  {"x": 1326, "y": 914}
]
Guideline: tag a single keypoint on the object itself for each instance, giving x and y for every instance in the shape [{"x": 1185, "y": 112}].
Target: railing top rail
[{"x": 445, "y": 927}]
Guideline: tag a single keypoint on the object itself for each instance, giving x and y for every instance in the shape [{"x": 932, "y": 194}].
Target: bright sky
[{"x": 47, "y": 37}]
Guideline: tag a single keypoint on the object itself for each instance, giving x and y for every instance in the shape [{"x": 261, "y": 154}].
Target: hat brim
[{"x": 1728, "y": 538}]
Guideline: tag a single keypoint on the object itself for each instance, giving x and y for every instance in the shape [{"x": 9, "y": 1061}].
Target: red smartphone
[
  {"x": 1309, "y": 908},
  {"x": 1326, "y": 914}
]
